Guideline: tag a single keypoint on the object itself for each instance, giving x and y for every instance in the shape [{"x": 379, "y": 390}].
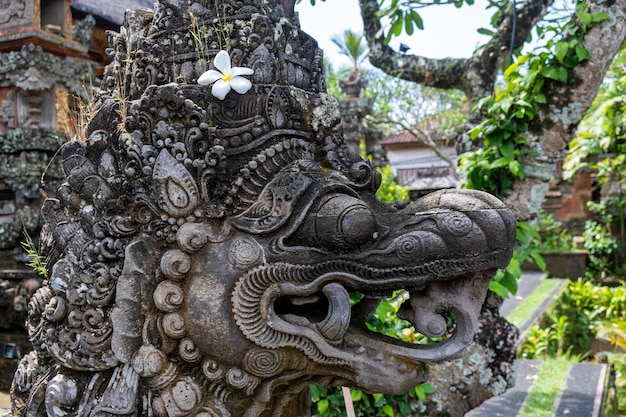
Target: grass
[
  {"x": 541, "y": 399},
  {"x": 524, "y": 311}
]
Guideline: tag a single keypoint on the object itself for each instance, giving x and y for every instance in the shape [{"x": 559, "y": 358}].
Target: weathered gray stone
[{"x": 204, "y": 250}]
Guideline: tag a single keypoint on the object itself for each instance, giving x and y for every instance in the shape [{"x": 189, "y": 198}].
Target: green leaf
[
  {"x": 408, "y": 24},
  {"x": 541, "y": 263},
  {"x": 509, "y": 281},
  {"x": 323, "y": 405},
  {"x": 514, "y": 268},
  {"x": 561, "y": 48},
  {"x": 356, "y": 395},
  {"x": 316, "y": 392},
  {"x": 498, "y": 288},
  {"x": 586, "y": 18},
  {"x": 540, "y": 98},
  {"x": 421, "y": 394},
  {"x": 501, "y": 162},
  {"x": 388, "y": 410},
  {"x": 485, "y": 31},
  {"x": 599, "y": 17},
  {"x": 417, "y": 19},
  {"x": 396, "y": 27},
  {"x": 555, "y": 73},
  {"x": 582, "y": 53},
  {"x": 428, "y": 389},
  {"x": 516, "y": 169},
  {"x": 507, "y": 149}
]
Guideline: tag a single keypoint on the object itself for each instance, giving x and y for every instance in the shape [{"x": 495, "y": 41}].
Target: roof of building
[
  {"x": 433, "y": 183},
  {"x": 111, "y": 10},
  {"x": 400, "y": 138},
  {"x": 428, "y": 178}
]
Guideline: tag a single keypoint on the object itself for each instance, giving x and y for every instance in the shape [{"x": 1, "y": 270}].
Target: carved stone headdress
[{"x": 204, "y": 250}]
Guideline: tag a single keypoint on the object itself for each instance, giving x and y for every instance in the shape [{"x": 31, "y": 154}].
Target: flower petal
[
  {"x": 240, "y": 84},
  {"x": 222, "y": 62},
  {"x": 241, "y": 71},
  {"x": 220, "y": 89},
  {"x": 209, "y": 77}
]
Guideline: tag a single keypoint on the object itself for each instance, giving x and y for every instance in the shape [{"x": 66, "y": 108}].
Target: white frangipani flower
[{"x": 226, "y": 78}]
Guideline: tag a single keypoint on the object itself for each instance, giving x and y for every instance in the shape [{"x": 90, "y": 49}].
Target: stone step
[
  {"x": 584, "y": 390},
  {"x": 582, "y": 395},
  {"x": 527, "y": 286}
]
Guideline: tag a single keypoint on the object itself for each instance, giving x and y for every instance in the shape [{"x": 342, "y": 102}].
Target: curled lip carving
[{"x": 316, "y": 318}]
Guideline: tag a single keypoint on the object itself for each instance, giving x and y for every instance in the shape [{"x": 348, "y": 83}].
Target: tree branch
[{"x": 475, "y": 75}]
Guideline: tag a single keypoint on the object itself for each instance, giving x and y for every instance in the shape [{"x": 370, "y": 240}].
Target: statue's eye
[{"x": 340, "y": 222}]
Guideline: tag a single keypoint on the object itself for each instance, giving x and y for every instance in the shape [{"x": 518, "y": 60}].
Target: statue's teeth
[{"x": 336, "y": 322}]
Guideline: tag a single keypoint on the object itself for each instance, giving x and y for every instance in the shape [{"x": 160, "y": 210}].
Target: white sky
[{"x": 449, "y": 32}]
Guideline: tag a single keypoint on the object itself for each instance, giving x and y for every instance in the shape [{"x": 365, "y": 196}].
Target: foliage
[
  {"x": 403, "y": 16},
  {"x": 600, "y": 145},
  {"x": 37, "y": 262},
  {"x": 333, "y": 78},
  {"x": 352, "y": 45},
  {"x": 498, "y": 160},
  {"x": 329, "y": 402},
  {"x": 505, "y": 280},
  {"x": 390, "y": 191},
  {"x": 600, "y": 245},
  {"x": 599, "y": 241},
  {"x": 553, "y": 237},
  {"x": 575, "y": 319},
  {"x": 398, "y": 104},
  {"x": 433, "y": 116},
  {"x": 615, "y": 333}
]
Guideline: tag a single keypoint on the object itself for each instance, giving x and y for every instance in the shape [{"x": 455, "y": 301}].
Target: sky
[{"x": 448, "y": 32}]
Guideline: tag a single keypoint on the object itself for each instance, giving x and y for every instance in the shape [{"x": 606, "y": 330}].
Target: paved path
[
  {"x": 581, "y": 395},
  {"x": 525, "y": 286}
]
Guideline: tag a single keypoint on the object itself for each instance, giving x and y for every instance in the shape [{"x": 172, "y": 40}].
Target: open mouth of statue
[{"x": 319, "y": 317}]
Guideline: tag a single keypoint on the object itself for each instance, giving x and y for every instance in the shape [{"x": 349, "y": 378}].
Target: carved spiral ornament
[
  {"x": 174, "y": 325},
  {"x": 175, "y": 264},
  {"x": 212, "y": 370},
  {"x": 168, "y": 296},
  {"x": 264, "y": 363},
  {"x": 455, "y": 223}
]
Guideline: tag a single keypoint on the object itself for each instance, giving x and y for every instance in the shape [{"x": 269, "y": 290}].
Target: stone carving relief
[
  {"x": 33, "y": 69},
  {"x": 82, "y": 29},
  {"x": 204, "y": 250},
  {"x": 7, "y": 110},
  {"x": 13, "y": 13}
]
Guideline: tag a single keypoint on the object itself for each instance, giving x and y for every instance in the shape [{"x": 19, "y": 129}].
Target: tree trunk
[{"x": 558, "y": 120}]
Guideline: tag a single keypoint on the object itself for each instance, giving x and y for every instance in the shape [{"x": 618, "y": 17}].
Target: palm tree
[{"x": 352, "y": 45}]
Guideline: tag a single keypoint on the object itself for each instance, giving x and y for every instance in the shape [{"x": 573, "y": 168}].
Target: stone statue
[{"x": 205, "y": 245}]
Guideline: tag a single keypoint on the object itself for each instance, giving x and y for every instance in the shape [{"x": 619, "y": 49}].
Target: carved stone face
[{"x": 205, "y": 250}]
